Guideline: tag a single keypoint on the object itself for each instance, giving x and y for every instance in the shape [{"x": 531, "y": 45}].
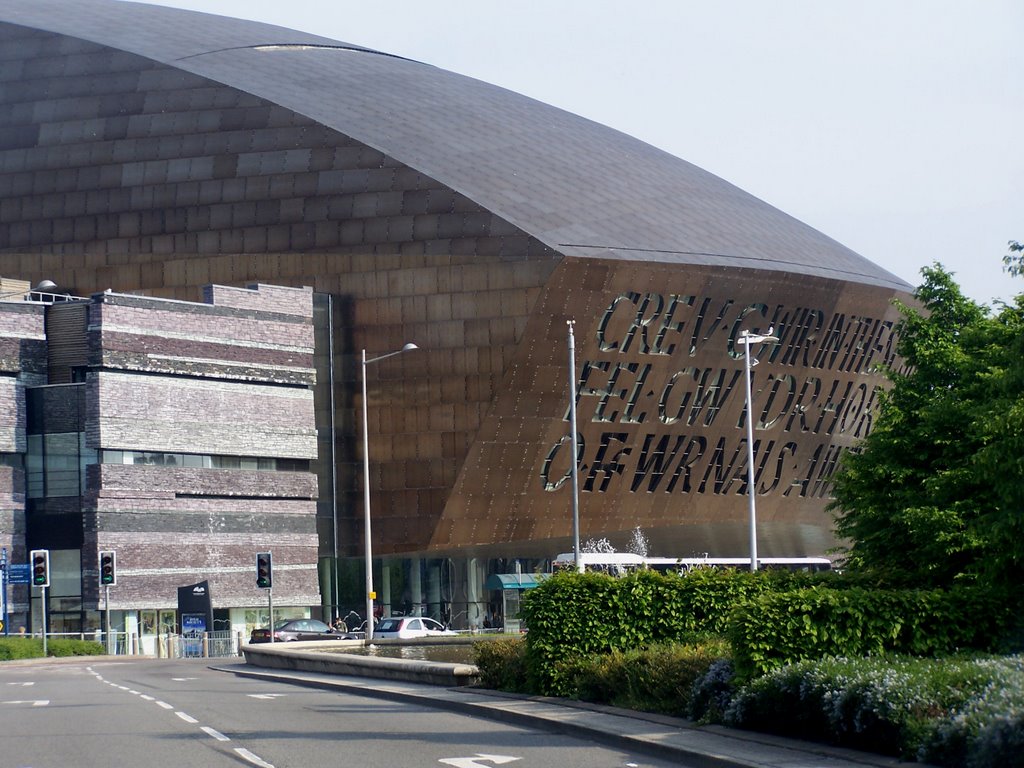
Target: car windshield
[
  {"x": 389, "y": 625},
  {"x": 282, "y": 623}
]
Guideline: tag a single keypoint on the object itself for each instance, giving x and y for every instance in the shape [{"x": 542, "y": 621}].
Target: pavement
[{"x": 700, "y": 746}]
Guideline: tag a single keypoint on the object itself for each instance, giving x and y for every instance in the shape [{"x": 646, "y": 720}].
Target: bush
[
  {"x": 950, "y": 712},
  {"x": 784, "y": 627},
  {"x": 573, "y": 616},
  {"x": 712, "y": 693},
  {"x": 20, "y": 648},
  {"x": 502, "y": 664},
  {"x": 655, "y": 679},
  {"x": 986, "y": 727},
  {"x": 32, "y": 647},
  {"x": 62, "y": 646}
]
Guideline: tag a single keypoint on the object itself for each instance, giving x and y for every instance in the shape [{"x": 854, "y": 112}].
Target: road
[{"x": 182, "y": 713}]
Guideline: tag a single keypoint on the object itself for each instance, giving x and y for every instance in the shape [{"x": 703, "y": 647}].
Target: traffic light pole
[
  {"x": 270, "y": 605},
  {"x": 106, "y": 616},
  {"x": 43, "y": 591}
]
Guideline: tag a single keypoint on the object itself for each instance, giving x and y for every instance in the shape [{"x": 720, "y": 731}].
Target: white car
[{"x": 406, "y": 627}]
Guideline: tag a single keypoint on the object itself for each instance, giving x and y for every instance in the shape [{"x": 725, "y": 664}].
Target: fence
[{"x": 218, "y": 644}]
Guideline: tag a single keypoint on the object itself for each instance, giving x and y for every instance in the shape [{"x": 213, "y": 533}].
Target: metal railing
[{"x": 169, "y": 645}]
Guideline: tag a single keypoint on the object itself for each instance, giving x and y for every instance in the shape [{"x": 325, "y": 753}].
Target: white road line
[
  {"x": 186, "y": 718},
  {"x": 148, "y": 698},
  {"x": 215, "y": 733},
  {"x": 245, "y": 754},
  {"x": 164, "y": 704}
]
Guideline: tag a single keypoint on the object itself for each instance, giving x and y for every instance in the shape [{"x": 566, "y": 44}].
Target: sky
[{"x": 893, "y": 126}]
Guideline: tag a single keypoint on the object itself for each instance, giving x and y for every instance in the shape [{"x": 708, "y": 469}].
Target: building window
[
  {"x": 203, "y": 461},
  {"x": 55, "y": 464}
]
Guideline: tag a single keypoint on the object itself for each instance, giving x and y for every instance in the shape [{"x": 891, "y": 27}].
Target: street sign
[{"x": 17, "y": 573}]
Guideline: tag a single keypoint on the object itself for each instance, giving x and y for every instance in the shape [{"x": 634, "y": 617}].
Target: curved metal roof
[{"x": 582, "y": 188}]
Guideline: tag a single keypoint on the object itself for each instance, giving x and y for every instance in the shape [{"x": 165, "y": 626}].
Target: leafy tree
[{"x": 936, "y": 491}]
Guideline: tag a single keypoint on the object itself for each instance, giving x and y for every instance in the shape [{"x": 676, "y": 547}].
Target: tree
[{"x": 936, "y": 492}]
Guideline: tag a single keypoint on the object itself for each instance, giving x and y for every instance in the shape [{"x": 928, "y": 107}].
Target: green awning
[{"x": 514, "y": 580}]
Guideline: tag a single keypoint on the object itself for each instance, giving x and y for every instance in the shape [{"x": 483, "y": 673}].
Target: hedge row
[
  {"x": 771, "y": 619},
  {"x": 783, "y": 627},
  {"x": 572, "y": 615},
  {"x": 32, "y": 648}
]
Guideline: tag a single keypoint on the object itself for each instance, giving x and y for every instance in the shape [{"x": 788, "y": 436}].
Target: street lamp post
[
  {"x": 575, "y": 450},
  {"x": 366, "y": 491},
  {"x": 746, "y": 339}
]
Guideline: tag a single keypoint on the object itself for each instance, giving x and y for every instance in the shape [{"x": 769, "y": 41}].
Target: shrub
[
  {"x": 62, "y": 646},
  {"x": 20, "y": 648},
  {"x": 655, "y": 679},
  {"x": 784, "y": 627},
  {"x": 712, "y": 692},
  {"x": 951, "y": 712},
  {"x": 573, "y": 616},
  {"x": 502, "y": 664},
  {"x": 32, "y": 647},
  {"x": 986, "y": 726}
]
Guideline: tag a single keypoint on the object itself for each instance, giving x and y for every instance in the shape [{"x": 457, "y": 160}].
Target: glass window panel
[{"x": 34, "y": 467}]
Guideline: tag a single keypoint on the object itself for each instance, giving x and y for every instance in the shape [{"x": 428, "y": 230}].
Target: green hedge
[
  {"x": 783, "y": 627},
  {"x": 32, "y": 648},
  {"x": 572, "y": 615}
]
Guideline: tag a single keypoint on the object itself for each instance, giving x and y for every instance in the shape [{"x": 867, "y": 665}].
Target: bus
[{"x": 621, "y": 563}]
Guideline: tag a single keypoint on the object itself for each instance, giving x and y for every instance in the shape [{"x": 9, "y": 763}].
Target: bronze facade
[{"x": 475, "y": 223}]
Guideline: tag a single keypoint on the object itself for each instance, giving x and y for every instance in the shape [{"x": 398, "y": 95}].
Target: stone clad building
[
  {"x": 150, "y": 150},
  {"x": 178, "y": 434}
]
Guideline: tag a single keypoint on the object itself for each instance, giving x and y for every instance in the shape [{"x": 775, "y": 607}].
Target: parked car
[
  {"x": 406, "y": 627},
  {"x": 287, "y": 630}
]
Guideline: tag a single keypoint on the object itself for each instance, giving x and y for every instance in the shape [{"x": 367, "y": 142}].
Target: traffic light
[
  {"x": 108, "y": 568},
  {"x": 264, "y": 570},
  {"x": 39, "y": 562}
]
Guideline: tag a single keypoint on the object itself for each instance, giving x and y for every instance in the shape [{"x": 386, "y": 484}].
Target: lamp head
[
  {"x": 409, "y": 346},
  {"x": 45, "y": 286}
]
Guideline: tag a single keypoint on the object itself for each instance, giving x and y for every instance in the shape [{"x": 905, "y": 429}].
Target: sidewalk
[{"x": 656, "y": 735}]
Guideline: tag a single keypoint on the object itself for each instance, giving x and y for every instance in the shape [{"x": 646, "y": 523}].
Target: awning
[{"x": 514, "y": 580}]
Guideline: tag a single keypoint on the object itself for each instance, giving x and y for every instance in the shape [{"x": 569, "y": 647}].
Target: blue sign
[
  {"x": 193, "y": 627},
  {"x": 17, "y": 573}
]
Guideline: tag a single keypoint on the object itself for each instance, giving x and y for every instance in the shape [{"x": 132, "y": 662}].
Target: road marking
[
  {"x": 24, "y": 685},
  {"x": 247, "y": 755},
  {"x": 35, "y": 703},
  {"x": 266, "y": 695},
  {"x": 474, "y": 762}
]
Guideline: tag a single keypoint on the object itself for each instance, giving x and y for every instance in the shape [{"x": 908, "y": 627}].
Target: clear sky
[{"x": 893, "y": 127}]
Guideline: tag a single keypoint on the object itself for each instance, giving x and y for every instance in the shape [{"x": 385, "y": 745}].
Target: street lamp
[
  {"x": 746, "y": 339},
  {"x": 575, "y": 450},
  {"x": 366, "y": 491}
]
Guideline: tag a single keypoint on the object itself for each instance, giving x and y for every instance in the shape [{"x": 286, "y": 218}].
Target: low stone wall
[{"x": 328, "y": 657}]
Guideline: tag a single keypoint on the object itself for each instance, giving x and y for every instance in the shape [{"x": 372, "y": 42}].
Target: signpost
[{"x": 3, "y": 589}]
